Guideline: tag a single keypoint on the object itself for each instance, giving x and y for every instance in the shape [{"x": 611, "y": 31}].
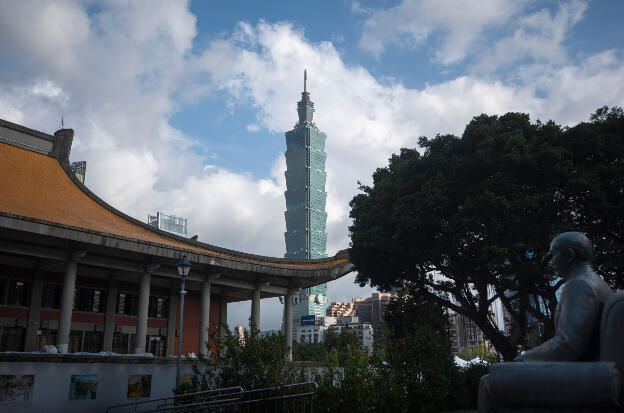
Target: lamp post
[{"x": 184, "y": 266}]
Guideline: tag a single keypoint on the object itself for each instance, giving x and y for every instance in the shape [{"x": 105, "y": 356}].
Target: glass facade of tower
[{"x": 306, "y": 236}]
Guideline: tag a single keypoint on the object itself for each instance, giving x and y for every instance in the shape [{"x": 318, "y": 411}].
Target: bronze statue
[{"x": 577, "y": 317}]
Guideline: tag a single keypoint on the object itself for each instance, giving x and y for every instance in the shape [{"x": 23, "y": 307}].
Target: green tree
[
  {"x": 481, "y": 351},
  {"x": 253, "y": 361},
  {"x": 470, "y": 219},
  {"x": 309, "y": 352},
  {"x": 339, "y": 342},
  {"x": 408, "y": 311}
]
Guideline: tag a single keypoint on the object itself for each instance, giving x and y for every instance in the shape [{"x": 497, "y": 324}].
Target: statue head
[{"x": 569, "y": 249}]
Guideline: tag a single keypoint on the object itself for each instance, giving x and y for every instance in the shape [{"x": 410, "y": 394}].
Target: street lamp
[{"x": 184, "y": 266}]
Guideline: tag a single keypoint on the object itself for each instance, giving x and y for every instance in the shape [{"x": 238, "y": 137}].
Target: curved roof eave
[{"x": 55, "y": 194}]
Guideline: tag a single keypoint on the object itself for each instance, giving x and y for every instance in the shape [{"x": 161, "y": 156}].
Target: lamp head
[{"x": 184, "y": 266}]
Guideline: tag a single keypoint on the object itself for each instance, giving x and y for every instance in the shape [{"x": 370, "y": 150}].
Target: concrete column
[
  {"x": 109, "y": 318},
  {"x": 143, "y": 305},
  {"x": 33, "y": 312},
  {"x": 288, "y": 323},
  {"x": 255, "y": 309},
  {"x": 67, "y": 301},
  {"x": 204, "y": 317},
  {"x": 223, "y": 313},
  {"x": 171, "y": 321}
]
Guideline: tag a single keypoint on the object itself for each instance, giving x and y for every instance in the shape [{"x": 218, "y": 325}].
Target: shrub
[{"x": 466, "y": 385}]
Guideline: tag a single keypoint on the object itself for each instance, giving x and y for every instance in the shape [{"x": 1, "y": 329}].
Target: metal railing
[
  {"x": 164, "y": 403},
  {"x": 298, "y": 397}
]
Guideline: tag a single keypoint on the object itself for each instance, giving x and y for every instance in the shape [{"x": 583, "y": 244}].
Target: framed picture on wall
[
  {"x": 83, "y": 387},
  {"x": 139, "y": 385},
  {"x": 16, "y": 390}
]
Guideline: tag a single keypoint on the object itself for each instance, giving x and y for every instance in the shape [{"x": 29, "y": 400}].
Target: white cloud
[
  {"x": 127, "y": 68},
  {"x": 410, "y": 24},
  {"x": 538, "y": 36}
]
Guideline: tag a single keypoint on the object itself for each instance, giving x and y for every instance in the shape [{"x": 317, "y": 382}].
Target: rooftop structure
[{"x": 170, "y": 223}]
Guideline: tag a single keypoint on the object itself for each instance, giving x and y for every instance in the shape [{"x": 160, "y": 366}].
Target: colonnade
[{"x": 67, "y": 296}]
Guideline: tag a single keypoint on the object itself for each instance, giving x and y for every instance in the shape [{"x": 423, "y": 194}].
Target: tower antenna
[{"x": 305, "y": 80}]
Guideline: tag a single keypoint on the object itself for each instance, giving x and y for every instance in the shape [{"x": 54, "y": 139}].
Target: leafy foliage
[
  {"x": 414, "y": 373},
  {"x": 255, "y": 361},
  {"x": 479, "y": 212},
  {"x": 466, "y": 385},
  {"x": 310, "y": 352},
  {"x": 481, "y": 351}
]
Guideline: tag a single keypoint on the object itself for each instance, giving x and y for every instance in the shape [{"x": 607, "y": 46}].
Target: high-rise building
[
  {"x": 79, "y": 169},
  {"x": 305, "y": 202},
  {"x": 169, "y": 223},
  {"x": 369, "y": 311},
  {"x": 464, "y": 333},
  {"x": 340, "y": 309}
]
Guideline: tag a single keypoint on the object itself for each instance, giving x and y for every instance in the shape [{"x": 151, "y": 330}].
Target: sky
[{"x": 181, "y": 107}]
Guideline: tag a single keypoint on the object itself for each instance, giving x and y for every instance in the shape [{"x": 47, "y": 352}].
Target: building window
[
  {"x": 157, "y": 345},
  {"x": 127, "y": 303},
  {"x": 93, "y": 341},
  {"x": 88, "y": 299},
  {"x": 46, "y": 338},
  {"x": 12, "y": 339},
  {"x": 157, "y": 307},
  {"x": 51, "y": 297},
  {"x": 99, "y": 300},
  {"x": 120, "y": 343},
  {"x": 75, "y": 341},
  {"x": 19, "y": 292},
  {"x": 121, "y": 303}
]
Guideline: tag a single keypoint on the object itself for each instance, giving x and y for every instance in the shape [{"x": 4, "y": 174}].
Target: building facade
[
  {"x": 363, "y": 331},
  {"x": 464, "y": 333},
  {"x": 340, "y": 309},
  {"x": 306, "y": 219},
  {"x": 369, "y": 310},
  {"x": 80, "y": 275},
  {"x": 310, "y": 333}
]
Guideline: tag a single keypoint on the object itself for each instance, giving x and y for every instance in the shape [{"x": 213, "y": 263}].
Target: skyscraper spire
[{"x": 305, "y": 107}]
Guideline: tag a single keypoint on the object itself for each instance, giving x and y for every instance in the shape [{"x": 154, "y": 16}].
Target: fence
[{"x": 298, "y": 397}]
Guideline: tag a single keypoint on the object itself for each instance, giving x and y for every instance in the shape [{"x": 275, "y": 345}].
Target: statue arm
[{"x": 578, "y": 318}]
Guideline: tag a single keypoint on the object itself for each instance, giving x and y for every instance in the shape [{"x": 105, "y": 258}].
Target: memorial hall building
[{"x": 80, "y": 275}]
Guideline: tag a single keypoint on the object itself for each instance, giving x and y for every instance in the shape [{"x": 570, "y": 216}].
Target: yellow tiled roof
[{"x": 36, "y": 186}]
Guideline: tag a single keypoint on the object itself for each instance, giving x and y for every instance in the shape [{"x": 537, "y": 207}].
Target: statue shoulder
[
  {"x": 586, "y": 284},
  {"x": 582, "y": 285}
]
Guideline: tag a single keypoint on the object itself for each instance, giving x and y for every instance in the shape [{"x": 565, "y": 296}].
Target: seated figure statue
[{"x": 577, "y": 317}]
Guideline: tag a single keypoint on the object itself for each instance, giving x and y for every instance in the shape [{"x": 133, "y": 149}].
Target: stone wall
[{"x": 50, "y": 389}]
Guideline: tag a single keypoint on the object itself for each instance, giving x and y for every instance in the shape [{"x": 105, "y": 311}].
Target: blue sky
[{"x": 182, "y": 106}]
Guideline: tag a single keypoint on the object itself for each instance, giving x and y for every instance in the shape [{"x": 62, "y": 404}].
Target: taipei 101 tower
[{"x": 305, "y": 202}]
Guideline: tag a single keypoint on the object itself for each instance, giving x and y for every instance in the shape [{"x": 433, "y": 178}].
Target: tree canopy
[{"x": 464, "y": 221}]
